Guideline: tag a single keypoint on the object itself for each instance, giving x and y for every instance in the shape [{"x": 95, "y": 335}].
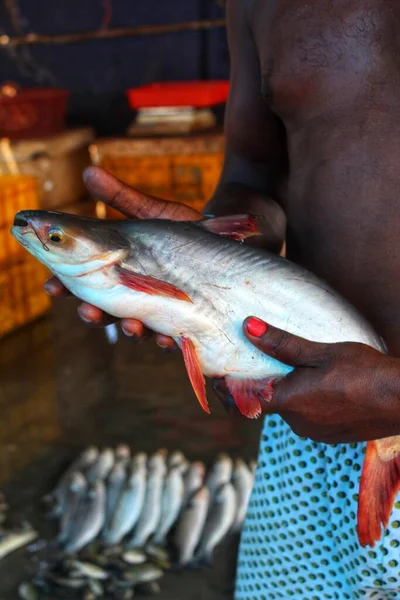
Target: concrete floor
[{"x": 64, "y": 387}]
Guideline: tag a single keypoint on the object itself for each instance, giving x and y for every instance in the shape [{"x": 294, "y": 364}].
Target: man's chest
[{"x": 310, "y": 52}]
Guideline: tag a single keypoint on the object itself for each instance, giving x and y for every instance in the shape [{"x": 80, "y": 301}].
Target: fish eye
[{"x": 56, "y": 235}]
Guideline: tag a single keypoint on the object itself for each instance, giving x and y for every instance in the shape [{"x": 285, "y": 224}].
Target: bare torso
[{"x": 330, "y": 72}]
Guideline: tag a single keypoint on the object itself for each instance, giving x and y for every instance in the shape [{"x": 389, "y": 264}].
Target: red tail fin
[
  {"x": 249, "y": 393},
  {"x": 380, "y": 482}
]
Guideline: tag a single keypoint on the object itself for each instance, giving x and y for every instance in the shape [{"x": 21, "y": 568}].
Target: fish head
[{"x": 69, "y": 244}]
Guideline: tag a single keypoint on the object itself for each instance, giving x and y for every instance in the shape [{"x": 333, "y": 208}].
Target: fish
[
  {"x": 172, "y": 497},
  {"x": 115, "y": 484},
  {"x": 219, "y": 522},
  {"x": 89, "y": 570},
  {"x": 193, "y": 480},
  {"x": 158, "y": 459},
  {"x": 101, "y": 468},
  {"x": 243, "y": 480},
  {"x": 128, "y": 507},
  {"x": 84, "y": 461},
  {"x": 220, "y": 473},
  {"x": 190, "y": 526},
  {"x": 134, "y": 557},
  {"x": 77, "y": 489},
  {"x": 176, "y": 458},
  {"x": 139, "y": 459},
  {"x": 14, "y": 540},
  {"x": 143, "y": 573},
  {"x": 88, "y": 519},
  {"x": 194, "y": 282},
  {"x": 122, "y": 454},
  {"x": 27, "y": 591},
  {"x": 151, "y": 509}
]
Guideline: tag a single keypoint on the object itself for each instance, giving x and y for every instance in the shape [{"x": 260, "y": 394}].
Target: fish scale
[{"x": 191, "y": 282}]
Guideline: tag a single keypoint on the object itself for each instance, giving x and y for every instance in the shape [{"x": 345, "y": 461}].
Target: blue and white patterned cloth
[{"x": 299, "y": 539}]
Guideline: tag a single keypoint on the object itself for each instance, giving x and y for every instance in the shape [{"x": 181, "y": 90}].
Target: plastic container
[
  {"x": 198, "y": 94},
  {"x": 33, "y": 112}
]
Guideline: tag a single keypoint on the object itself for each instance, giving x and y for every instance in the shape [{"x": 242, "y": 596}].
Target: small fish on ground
[{"x": 190, "y": 526}]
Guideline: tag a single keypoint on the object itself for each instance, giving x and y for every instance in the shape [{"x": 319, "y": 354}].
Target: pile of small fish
[
  {"x": 13, "y": 538},
  {"x": 133, "y": 517}
]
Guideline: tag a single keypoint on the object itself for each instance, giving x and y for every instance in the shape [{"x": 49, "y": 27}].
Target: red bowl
[
  {"x": 192, "y": 93},
  {"x": 33, "y": 112}
]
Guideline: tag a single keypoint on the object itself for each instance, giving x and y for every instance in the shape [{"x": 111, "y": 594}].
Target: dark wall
[{"x": 98, "y": 72}]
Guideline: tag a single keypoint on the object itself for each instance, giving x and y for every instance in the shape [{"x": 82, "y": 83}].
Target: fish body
[
  {"x": 128, "y": 507},
  {"x": 115, "y": 484},
  {"x": 189, "y": 281},
  {"x": 190, "y": 526},
  {"x": 81, "y": 464},
  {"x": 77, "y": 490},
  {"x": 151, "y": 509},
  {"x": 101, "y": 468},
  {"x": 219, "y": 521},
  {"x": 89, "y": 518},
  {"x": 243, "y": 481},
  {"x": 172, "y": 497},
  {"x": 193, "y": 480},
  {"x": 220, "y": 474},
  {"x": 14, "y": 540}
]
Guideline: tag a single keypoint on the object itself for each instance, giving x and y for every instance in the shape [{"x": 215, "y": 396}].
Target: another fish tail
[{"x": 380, "y": 482}]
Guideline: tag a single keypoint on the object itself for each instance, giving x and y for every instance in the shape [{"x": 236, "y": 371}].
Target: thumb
[
  {"x": 282, "y": 345},
  {"x": 131, "y": 202}
]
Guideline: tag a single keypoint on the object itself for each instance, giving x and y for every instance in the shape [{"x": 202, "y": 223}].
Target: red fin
[
  {"x": 150, "y": 285},
  {"x": 380, "y": 482},
  {"x": 248, "y": 394},
  {"x": 235, "y": 227},
  {"x": 194, "y": 371}
]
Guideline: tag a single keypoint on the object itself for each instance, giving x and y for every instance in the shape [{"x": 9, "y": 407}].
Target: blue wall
[{"x": 97, "y": 72}]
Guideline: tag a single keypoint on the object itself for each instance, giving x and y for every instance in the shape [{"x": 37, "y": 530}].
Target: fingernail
[
  {"x": 126, "y": 332},
  {"x": 256, "y": 327}
]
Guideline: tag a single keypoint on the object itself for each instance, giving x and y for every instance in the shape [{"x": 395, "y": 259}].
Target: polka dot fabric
[{"x": 299, "y": 539}]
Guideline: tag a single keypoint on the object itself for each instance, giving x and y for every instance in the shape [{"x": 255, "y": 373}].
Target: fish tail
[
  {"x": 204, "y": 558},
  {"x": 249, "y": 394},
  {"x": 380, "y": 482}
]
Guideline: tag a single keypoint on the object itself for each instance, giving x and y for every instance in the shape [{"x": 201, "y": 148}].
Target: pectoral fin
[
  {"x": 235, "y": 227},
  {"x": 194, "y": 371},
  {"x": 380, "y": 482},
  {"x": 150, "y": 285}
]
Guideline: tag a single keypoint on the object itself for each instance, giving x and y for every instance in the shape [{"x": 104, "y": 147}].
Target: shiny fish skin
[
  {"x": 220, "y": 473},
  {"x": 219, "y": 521},
  {"x": 151, "y": 511},
  {"x": 14, "y": 540},
  {"x": 172, "y": 497},
  {"x": 143, "y": 573},
  {"x": 190, "y": 526},
  {"x": 115, "y": 484},
  {"x": 176, "y": 458},
  {"x": 128, "y": 507},
  {"x": 81, "y": 463},
  {"x": 77, "y": 490},
  {"x": 102, "y": 467},
  {"x": 89, "y": 570},
  {"x": 122, "y": 454},
  {"x": 193, "y": 480},
  {"x": 89, "y": 518},
  {"x": 159, "y": 460},
  {"x": 134, "y": 557},
  {"x": 242, "y": 480}
]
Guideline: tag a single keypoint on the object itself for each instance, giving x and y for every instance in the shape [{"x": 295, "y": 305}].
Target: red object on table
[
  {"x": 33, "y": 112},
  {"x": 192, "y": 93}
]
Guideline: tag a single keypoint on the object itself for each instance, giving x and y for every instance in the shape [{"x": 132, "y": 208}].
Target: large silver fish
[
  {"x": 115, "y": 483},
  {"x": 193, "y": 480},
  {"x": 190, "y": 526},
  {"x": 101, "y": 468},
  {"x": 88, "y": 519},
  {"x": 171, "y": 503},
  {"x": 219, "y": 521},
  {"x": 190, "y": 282},
  {"x": 128, "y": 507},
  {"x": 151, "y": 509},
  {"x": 220, "y": 473},
  {"x": 243, "y": 480},
  {"x": 76, "y": 492}
]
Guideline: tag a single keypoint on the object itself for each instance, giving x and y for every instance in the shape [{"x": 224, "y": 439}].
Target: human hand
[
  {"x": 132, "y": 204},
  {"x": 337, "y": 393}
]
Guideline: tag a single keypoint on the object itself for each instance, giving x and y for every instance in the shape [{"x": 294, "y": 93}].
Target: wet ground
[{"x": 63, "y": 387}]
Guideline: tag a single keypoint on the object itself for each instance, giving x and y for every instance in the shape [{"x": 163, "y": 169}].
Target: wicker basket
[{"x": 186, "y": 169}]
